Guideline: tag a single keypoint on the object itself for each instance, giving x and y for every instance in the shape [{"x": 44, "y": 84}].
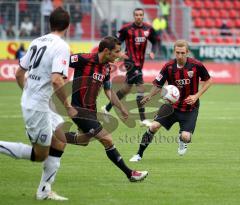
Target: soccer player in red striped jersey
[
  {"x": 185, "y": 73},
  {"x": 135, "y": 35},
  {"x": 91, "y": 73}
]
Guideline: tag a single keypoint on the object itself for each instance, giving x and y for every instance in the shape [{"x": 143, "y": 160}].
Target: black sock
[
  {"x": 32, "y": 155},
  {"x": 116, "y": 158},
  {"x": 146, "y": 140},
  {"x": 120, "y": 96},
  {"x": 141, "y": 108},
  {"x": 55, "y": 153},
  {"x": 71, "y": 137}
]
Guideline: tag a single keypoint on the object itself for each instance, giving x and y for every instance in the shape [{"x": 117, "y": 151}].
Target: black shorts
[
  {"x": 87, "y": 121},
  {"x": 134, "y": 75},
  {"x": 187, "y": 120}
]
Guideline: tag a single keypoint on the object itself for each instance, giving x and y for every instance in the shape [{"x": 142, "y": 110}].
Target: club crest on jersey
[
  {"x": 146, "y": 33},
  {"x": 190, "y": 74},
  {"x": 98, "y": 77},
  {"x": 74, "y": 58},
  {"x": 159, "y": 77}
]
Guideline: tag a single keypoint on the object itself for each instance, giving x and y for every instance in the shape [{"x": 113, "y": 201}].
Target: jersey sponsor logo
[
  {"x": 74, "y": 58},
  {"x": 159, "y": 77},
  {"x": 140, "y": 39},
  {"x": 98, "y": 77},
  {"x": 34, "y": 77},
  {"x": 190, "y": 74},
  {"x": 182, "y": 82},
  {"x": 146, "y": 33}
]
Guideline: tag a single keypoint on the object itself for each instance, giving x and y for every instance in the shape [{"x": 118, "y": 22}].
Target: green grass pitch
[{"x": 208, "y": 174}]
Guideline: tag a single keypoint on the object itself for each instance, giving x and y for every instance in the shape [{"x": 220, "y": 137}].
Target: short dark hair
[
  {"x": 109, "y": 42},
  {"x": 59, "y": 19},
  {"x": 138, "y": 9}
]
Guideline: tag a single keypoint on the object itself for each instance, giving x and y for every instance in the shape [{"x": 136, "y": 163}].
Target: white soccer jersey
[{"x": 46, "y": 55}]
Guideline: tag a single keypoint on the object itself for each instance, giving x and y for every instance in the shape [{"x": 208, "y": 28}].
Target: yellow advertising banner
[{"x": 8, "y": 49}]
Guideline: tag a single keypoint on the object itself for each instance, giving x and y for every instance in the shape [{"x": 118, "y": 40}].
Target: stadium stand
[{"x": 208, "y": 18}]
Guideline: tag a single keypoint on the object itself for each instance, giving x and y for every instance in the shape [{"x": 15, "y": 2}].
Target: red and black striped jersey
[
  {"x": 135, "y": 38},
  {"x": 186, "y": 79},
  {"x": 89, "y": 76}
]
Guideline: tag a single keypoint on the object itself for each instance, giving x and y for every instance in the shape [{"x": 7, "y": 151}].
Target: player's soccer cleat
[
  {"x": 182, "y": 147},
  {"x": 50, "y": 196},
  {"x": 138, "y": 176},
  {"x": 135, "y": 158},
  {"x": 146, "y": 123},
  {"x": 44, "y": 193},
  {"x": 106, "y": 114}
]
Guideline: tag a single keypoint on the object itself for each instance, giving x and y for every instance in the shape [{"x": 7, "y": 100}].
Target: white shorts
[{"x": 41, "y": 125}]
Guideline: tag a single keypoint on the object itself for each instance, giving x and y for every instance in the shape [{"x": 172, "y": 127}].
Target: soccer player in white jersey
[{"x": 46, "y": 62}]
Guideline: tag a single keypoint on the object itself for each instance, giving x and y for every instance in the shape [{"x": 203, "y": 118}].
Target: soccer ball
[{"x": 170, "y": 93}]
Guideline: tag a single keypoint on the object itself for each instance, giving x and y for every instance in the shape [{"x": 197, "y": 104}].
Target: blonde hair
[{"x": 181, "y": 43}]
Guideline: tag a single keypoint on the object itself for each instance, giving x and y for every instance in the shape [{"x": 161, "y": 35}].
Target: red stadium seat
[
  {"x": 233, "y": 13},
  {"x": 218, "y": 4},
  {"x": 214, "y": 13},
  {"x": 238, "y": 40},
  {"x": 237, "y": 23},
  {"x": 230, "y": 23},
  {"x": 236, "y": 4},
  {"x": 214, "y": 32},
  {"x": 208, "y": 4},
  {"x": 198, "y": 4},
  {"x": 198, "y": 23},
  {"x": 195, "y": 39},
  {"x": 229, "y": 40},
  {"x": 223, "y": 13},
  {"x": 189, "y": 3},
  {"x": 209, "y": 23},
  {"x": 218, "y": 22},
  {"x": 204, "y": 32},
  {"x": 195, "y": 13},
  {"x": 208, "y": 40},
  {"x": 219, "y": 40},
  {"x": 227, "y": 4},
  {"x": 204, "y": 13}
]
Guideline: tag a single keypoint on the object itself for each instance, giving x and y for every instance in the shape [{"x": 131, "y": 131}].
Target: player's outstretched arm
[
  {"x": 111, "y": 95},
  {"x": 153, "y": 92},
  {"x": 58, "y": 86},
  {"x": 20, "y": 77}
]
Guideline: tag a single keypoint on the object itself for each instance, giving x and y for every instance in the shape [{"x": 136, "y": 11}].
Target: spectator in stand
[
  {"x": 46, "y": 9},
  {"x": 165, "y": 10},
  {"x": 26, "y": 27},
  {"x": 23, "y": 7},
  {"x": 36, "y": 29},
  {"x": 114, "y": 27},
  {"x": 10, "y": 30},
  {"x": 86, "y": 5},
  {"x": 104, "y": 28},
  {"x": 225, "y": 29},
  {"x": 159, "y": 25},
  {"x": 20, "y": 52},
  {"x": 77, "y": 19},
  {"x": 1, "y": 26}
]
